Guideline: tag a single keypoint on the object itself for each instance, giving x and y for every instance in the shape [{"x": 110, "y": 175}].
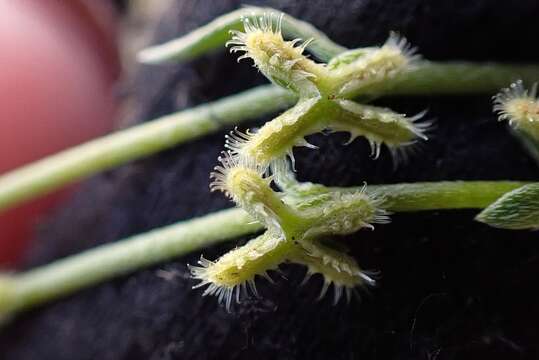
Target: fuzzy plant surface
[
  {"x": 295, "y": 228},
  {"x": 447, "y": 289}
]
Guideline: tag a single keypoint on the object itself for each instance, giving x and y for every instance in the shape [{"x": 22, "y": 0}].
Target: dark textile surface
[{"x": 450, "y": 288}]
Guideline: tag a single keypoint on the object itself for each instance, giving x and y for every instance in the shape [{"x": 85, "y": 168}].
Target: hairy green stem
[
  {"x": 105, "y": 153},
  {"x": 65, "y": 276}
]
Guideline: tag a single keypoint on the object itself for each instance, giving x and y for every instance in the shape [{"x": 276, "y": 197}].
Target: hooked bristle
[
  {"x": 396, "y": 41},
  {"x": 232, "y": 162},
  {"x": 344, "y": 213},
  {"x": 282, "y": 62},
  {"x": 248, "y": 185},
  {"x": 366, "y": 66},
  {"x": 401, "y": 154},
  {"x": 336, "y": 268},
  {"x": 277, "y": 137},
  {"x": 520, "y": 107},
  {"x": 224, "y": 293},
  {"x": 264, "y": 24},
  {"x": 234, "y": 273},
  {"x": 236, "y": 140},
  {"x": 515, "y": 103},
  {"x": 381, "y": 126}
]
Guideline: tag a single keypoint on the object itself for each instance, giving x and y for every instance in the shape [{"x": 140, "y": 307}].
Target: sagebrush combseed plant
[
  {"x": 327, "y": 88},
  {"x": 255, "y": 159}
]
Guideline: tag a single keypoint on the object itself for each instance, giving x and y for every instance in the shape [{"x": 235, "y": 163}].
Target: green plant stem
[
  {"x": 456, "y": 78},
  {"x": 105, "y": 153},
  {"x": 149, "y": 138},
  {"x": 63, "y": 277},
  {"x": 214, "y": 35},
  {"x": 93, "y": 266},
  {"x": 443, "y": 195},
  {"x": 121, "y": 147},
  {"x": 429, "y": 78}
]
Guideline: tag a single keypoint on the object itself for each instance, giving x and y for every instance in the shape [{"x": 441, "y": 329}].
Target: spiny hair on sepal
[
  {"x": 223, "y": 174},
  {"x": 373, "y": 65},
  {"x": 420, "y": 127},
  {"x": 263, "y": 33},
  {"x": 335, "y": 267},
  {"x": 236, "y": 140},
  {"x": 401, "y": 155},
  {"x": 224, "y": 294},
  {"x": 423, "y": 129},
  {"x": 233, "y": 274},
  {"x": 343, "y": 213},
  {"x": 282, "y": 62},
  {"x": 277, "y": 137},
  {"x": 381, "y": 126},
  {"x": 267, "y": 24},
  {"x": 516, "y": 103},
  {"x": 282, "y": 170},
  {"x": 397, "y": 41}
]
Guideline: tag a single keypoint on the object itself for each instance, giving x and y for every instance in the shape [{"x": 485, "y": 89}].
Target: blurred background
[{"x": 63, "y": 63}]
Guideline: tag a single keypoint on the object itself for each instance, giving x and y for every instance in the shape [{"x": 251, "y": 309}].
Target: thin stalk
[
  {"x": 105, "y": 153},
  {"x": 429, "y": 77},
  {"x": 214, "y": 35},
  {"x": 443, "y": 195},
  {"x": 65, "y": 276},
  {"x": 455, "y": 78},
  {"x": 70, "y": 274}
]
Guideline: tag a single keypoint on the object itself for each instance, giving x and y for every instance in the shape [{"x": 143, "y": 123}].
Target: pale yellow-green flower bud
[
  {"x": 520, "y": 108},
  {"x": 277, "y": 138},
  {"x": 229, "y": 276},
  {"x": 379, "y": 125},
  {"x": 356, "y": 69},
  {"x": 337, "y": 269},
  {"x": 280, "y": 61},
  {"x": 342, "y": 213},
  {"x": 242, "y": 180}
]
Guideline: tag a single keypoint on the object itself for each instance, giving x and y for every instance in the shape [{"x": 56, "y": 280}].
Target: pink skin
[{"x": 59, "y": 66}]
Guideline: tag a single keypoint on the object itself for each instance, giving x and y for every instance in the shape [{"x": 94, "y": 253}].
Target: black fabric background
[{"x": 450, "y": 288}]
